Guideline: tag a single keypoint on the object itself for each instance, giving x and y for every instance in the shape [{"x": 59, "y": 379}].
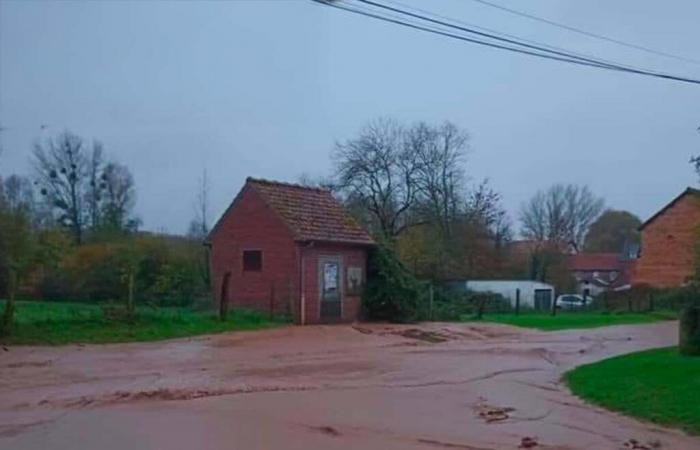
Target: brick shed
[
  {"x": 289, "y": 249},
  {"x": 669, "y": 243}
]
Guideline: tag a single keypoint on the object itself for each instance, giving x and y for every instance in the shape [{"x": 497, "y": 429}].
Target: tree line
[
  {"x": 410, "y": 185},
  {"x": 68, "y": 232}
]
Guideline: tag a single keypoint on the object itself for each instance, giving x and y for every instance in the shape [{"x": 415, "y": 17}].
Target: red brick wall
[
  {"x": 349, "y": 256},
  {"x": 252, "y": 225},
  {"x": 668, "y": 245}
]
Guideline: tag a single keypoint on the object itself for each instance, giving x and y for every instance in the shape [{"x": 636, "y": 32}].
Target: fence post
[
  {"x": 554, "y": 306},
  {"x": 629, "y": 304},
  {"x": 651, "y": 302},
  {"x": 272, "y": 299},
  {"x": 517, "y": 301}
]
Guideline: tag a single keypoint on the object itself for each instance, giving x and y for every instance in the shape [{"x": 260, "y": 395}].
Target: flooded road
[{"x": 369, "y": 386}]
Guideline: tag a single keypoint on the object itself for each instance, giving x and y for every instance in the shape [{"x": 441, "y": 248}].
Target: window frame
[{"x": 244, "y": 267}]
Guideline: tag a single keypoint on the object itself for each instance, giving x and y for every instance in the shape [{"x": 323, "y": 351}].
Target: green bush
[
  {"x": 678, "y": 298},
  {"x": 393, "y": 293}
]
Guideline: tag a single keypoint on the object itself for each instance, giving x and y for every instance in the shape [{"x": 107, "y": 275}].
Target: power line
[
  {"x": 491, "y": 30},
  {"x": 569, "y": 58},
  {"x": 518, "y": 42},
  {"x": 586, "y": 33}
]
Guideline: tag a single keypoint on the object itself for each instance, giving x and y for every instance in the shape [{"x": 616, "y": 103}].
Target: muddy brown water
[{"x": 370, "y": 386}]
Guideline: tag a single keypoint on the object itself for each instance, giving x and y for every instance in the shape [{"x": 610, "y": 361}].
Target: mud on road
[{"x": 369, "y": 386}]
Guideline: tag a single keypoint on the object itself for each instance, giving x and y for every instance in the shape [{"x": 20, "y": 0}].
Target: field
[
  {"x": 62, "y": 323},
  {"x": 657, "y": 385},
  {"x": 571, "y": 320}
]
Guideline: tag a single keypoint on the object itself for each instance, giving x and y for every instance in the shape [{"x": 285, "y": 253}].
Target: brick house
[
  {"x": 669, "y": 243},
  {"x": 599, "y": 272},
  {"x": 288, "y": 249}
]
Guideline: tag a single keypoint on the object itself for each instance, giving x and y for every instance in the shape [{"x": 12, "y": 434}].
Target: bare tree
[
  {"x": 440, "y": 177},
  {"x": 560, "y": 215},
  {"x": 199, "y": 226},
  {"x": 379, "y": 169},
  {"x": 119, "y": 197},
  {"x": 61, "y": 166},
  {"x": 16, "y": 193},
  {"x": 93, "y": 195}
]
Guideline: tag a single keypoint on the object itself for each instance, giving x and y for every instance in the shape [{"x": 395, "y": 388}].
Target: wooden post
[
  {"x": 517, "y": 301},
  {"x": 223, "y": 297},
  {"x": 431, "y": 294}
]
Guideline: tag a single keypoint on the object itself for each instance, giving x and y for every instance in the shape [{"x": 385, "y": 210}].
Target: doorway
[{"x": 330, "y": 288}]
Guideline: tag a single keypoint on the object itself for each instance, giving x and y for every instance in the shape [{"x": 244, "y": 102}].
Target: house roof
[
  {"x": 595, "y": 262},
  {"x": 669, "y": 205},
  {"x": 311, "y": 214}
]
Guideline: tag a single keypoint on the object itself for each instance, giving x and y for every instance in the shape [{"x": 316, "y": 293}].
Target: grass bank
[
  {"x": 54, "y": 323},
  {"x": 571, "y": 320},
  {"x": 657, "y": 385}
]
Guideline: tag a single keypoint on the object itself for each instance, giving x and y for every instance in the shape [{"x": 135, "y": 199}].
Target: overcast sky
[{"x": 264, "y": 88}]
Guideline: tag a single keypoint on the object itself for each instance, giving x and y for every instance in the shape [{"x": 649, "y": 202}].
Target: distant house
[
  {"x": 289, "y": 249},
  {"x": 669, "y": 243},
  {"x": 599, "y": 272}
]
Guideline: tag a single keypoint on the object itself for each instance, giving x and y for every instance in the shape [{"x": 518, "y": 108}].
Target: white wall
[{"x": 508, "y": 288}]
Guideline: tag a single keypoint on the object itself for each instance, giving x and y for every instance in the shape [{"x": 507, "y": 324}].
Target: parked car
[{"x": 572, "y": 301}]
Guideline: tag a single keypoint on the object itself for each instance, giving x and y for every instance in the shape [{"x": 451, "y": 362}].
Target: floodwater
[{"x": 368, "y": 386}]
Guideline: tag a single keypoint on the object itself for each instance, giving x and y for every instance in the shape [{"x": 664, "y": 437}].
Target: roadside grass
[
  {"x": 659, "y": 385},
  {"x": 51, "y": 323},
  {"x": 569, "y": 320}
]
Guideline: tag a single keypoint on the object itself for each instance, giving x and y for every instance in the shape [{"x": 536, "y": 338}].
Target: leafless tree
[
  {"x": 561, "y": 214},
  {"x": 440, "y": 177},
  {"x": 16, "y": 193},
  {"x": 199, "y": 226},
  {"x": 118, "y": 197},
  {"x": 61, "y": 166},
  {"x": 380, "y": 170},
  {"x": 93, "y": 194}
]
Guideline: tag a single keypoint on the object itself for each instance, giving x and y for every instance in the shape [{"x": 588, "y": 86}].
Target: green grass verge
[
  {"x": 571, "y": 320},
  {"x": 657, "y": 385},
  {"x": 62, "y": 323}
]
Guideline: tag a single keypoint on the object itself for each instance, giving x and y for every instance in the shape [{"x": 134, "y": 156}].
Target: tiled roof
[
  {"x": 312, "y": 214},
  {"x": 595, "y": 261}
]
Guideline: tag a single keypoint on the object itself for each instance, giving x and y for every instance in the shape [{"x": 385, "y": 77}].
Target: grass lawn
[
  {"x": 62, "y": 323},
  {"x": 658, "y": 385},
  {"x": 567, "y": 320}
]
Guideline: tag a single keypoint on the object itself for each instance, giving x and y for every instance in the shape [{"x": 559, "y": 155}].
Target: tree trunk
[
  {"x": 9, "y": 313},
  {"x": 689, "y": 339}
]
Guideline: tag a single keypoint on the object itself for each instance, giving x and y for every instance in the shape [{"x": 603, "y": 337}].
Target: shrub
[{"x": 392, "y": 292}]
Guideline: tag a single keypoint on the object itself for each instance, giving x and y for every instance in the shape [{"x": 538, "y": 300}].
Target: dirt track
[{"x": 449, "y": 386}]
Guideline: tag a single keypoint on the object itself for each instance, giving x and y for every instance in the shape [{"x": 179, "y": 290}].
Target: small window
[{"x": 252, "y": 260}]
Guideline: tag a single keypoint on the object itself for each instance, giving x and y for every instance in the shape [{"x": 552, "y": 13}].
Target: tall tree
[
  {"x": 560, "y": 215},
  {"x": 61, "y": 166},
  {"x": 379, "y": 169},
  {"x": 440, "y": 177},
  {"x": 612, "y": 231},
  {"x": 118, "y": 197}
]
